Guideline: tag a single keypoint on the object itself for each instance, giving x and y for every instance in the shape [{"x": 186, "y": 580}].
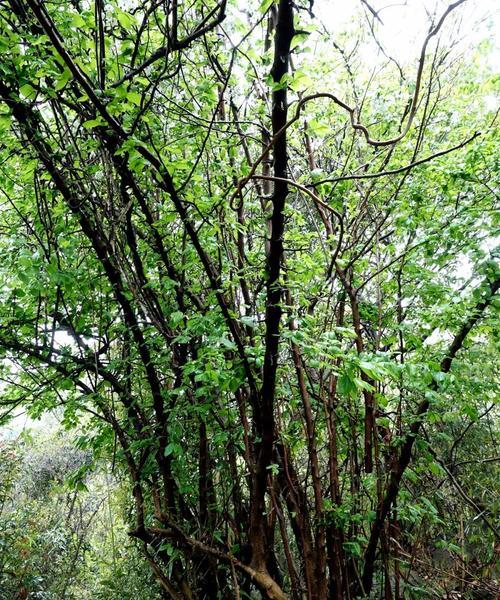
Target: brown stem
[{"x": 264, "y": 419}]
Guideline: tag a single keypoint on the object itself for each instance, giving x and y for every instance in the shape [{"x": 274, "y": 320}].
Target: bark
[{"x": 264, "y": 418}]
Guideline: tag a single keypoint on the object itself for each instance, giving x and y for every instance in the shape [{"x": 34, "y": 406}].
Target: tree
[
  {"x": 234, "y": 272},
  {"x": 62, "y": 532}
]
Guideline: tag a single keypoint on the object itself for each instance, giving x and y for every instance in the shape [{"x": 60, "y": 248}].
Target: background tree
[{"x": 62, "y": 526}]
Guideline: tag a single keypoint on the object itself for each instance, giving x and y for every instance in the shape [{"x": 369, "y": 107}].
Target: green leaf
[
  {"x": 28, "y": 91},
  {"x": 352, "y": 548},
  {"x": 134, "y": 98},
  {"x": 63, "y": 80},
  {"x": 126, "y": 20},
  {"x": 78, "y": 21},
  {"x": 177, "y": 318},
  {"x": 300, "y": 81},
  {"x": 265, "y": 5},
  {"x": 436, "y": 469},
  {"x": 92, "y": 123},
  {"x": 346, "y": 385},
  {"x": 373, "y": 370}
]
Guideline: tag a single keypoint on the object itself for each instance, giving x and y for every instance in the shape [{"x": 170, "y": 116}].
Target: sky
[{"x": 405, "y": 23}]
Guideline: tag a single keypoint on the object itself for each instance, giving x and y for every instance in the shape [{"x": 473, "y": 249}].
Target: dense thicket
[
  {"x": 254, "y": 267},
  {"x": 63, "y": 537}
]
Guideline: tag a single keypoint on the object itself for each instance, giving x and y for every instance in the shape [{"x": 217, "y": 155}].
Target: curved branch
[
  {"x": 418, "y": 83},
  {"x": 400, "y": 169},
  {"x": 352, "y": 111},
  {"x": 264, "y": 581},
  {"x": 317, "y": 201}
]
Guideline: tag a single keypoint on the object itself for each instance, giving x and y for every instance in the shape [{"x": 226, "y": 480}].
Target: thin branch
[
  {"x": 400, "y": 169},
  {"x": 218, "y": 13}
]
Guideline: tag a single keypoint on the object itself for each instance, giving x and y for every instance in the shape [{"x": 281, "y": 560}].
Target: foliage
[
  {"x": 56, "y": 541},
  {"x": 259, "y": 283}
]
